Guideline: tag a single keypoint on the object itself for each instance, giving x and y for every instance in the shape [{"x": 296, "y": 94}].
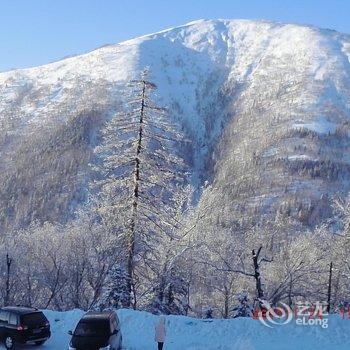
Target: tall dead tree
[{"x": 141, "y": 173}]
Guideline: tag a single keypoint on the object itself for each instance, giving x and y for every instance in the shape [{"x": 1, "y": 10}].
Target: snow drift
[{"x": 185, "y": 333}]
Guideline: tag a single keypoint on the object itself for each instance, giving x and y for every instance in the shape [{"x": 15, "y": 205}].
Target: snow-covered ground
[{"x": 185, "y": 333}]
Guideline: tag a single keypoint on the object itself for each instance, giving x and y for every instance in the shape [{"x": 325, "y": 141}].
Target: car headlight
[{"x": 108, "y": 347}]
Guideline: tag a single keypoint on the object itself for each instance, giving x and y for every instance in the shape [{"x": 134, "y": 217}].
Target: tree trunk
[
  {"x": 8, "y": 277},
  {"x": 336, "y": 289},
  {"x": 226, "y": 302},
  {"x": 290, "y": 301},
  {"x": 329, "y": 293},
  {"x": 188, "y": 299},
  {"x": 131, "y": 240},
  {"x": 257, "y": 276}
]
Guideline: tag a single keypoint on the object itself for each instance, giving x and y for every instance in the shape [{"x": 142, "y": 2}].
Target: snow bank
[
  {"x": 185, "y": 333},
  {"x": 61, "y": 323}
]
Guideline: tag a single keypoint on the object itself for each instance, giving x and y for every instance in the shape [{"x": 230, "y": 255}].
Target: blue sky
[{"x": 34, "y": 32}]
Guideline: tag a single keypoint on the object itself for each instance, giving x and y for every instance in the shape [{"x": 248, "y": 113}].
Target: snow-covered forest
[
  {"x": 78, "y": 265},
  {"x": 218, "y": 177}
]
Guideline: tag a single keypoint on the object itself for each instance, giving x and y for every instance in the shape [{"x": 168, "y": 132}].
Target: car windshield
[
  {"x": 92, "y": 328},
  {"x": 34, "y": 319}
]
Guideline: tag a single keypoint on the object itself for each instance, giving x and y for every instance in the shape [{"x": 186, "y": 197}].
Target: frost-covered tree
[
  {"x": 173, "y": 261},
  {"x": 115, "y": 289},
  {"x": 139, "y": 176},
  {"x": 243, "y": 309},
  {"x": 208, "y": 313}
]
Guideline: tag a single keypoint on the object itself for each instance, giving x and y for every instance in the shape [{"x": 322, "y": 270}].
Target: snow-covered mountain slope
[{"x": 266, "y": 106}]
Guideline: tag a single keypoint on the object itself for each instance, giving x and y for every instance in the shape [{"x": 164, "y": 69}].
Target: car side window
[
  {"x": 4, "y": 317},
  {"x": 112, "y": 325},
  {"x": 13, "y": 319}
]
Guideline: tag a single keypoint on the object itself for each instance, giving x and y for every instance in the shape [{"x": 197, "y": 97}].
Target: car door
[
  {"x": 12, "y": 325},
  {"x": 4, "y": 318}
]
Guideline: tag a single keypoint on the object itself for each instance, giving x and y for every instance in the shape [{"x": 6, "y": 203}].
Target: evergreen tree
[
  {"x": 208, "y": 313},
  {"x": 115, "y": 292},
  {"x": 243, "y": 309},
  {"x": 140, "y": 173},
  {"x": 172, "y": 266}
]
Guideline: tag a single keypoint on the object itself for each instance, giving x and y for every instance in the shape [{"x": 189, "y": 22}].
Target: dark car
[
  {"x": 97, "y": 331},
  {"x": 23, "y": 325}
]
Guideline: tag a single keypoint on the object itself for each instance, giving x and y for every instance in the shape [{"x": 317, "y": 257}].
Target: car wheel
[
  {"x": 9, "y": 342},
  {"x": 41, "y": 342}
]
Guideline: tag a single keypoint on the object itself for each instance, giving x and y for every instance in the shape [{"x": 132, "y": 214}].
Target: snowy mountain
[{"x": 265, "y": 105}]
